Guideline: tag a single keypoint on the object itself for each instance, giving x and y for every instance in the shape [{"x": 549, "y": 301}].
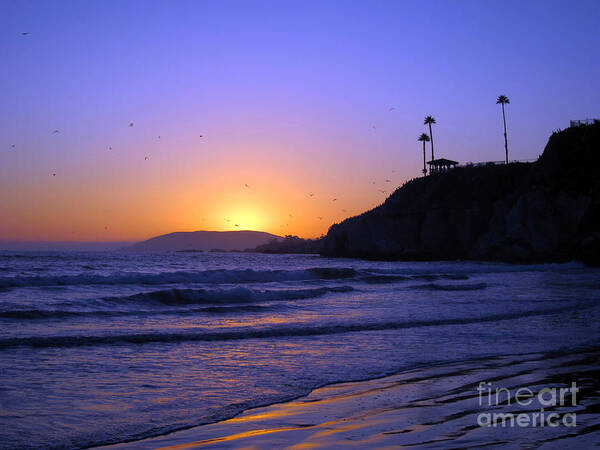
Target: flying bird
[
  {"x": 246, "y": 185},
  {"x": 388, "y": 181},
  {"x": 320, "y": 217},
  {"x": 159, "y": 137},
  {"x": 311, "y": 195},
  {"x": 343, "y": 210},
  {"x": 25, "y": 33},
  {"x": 55, "y": 132},
  {"x": 334, "y": 200},
  {"x": 290, "y": 215},
  {"x": 109, "y": 147},
  {"x": 237, "y": 225},
  {"x": 145, "y": 158},
  {"x": 12, "y": 146},
  {"x": 391, "y": 109},
  {"x": 201, "y": 136},
  {"x": 53, "y": 174},
  {"x": 130, "y": 124}
]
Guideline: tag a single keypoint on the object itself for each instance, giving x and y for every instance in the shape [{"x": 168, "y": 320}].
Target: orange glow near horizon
[{"x": 121, "y": 196}]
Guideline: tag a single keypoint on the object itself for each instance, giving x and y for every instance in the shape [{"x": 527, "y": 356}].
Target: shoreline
[{"x": 427, "y": 405}]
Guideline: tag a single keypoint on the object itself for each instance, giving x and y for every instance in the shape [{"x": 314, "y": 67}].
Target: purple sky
[{"x": 290, "y": 97}]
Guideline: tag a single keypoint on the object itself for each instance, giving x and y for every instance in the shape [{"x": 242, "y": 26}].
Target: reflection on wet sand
[{"x": 422, "y": 407}]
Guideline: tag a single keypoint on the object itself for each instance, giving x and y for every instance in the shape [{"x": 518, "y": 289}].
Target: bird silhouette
[
  {"x": 320, "y": 217},
  {"x": 12, "y": 146},
  {"x": 246, "y": 185},
  {"x": 130, "y": 124},
  {"x": 391, "y": 109},
  {"x": 290, "y": 215},
  {"x": 201, "y": 136},
  {"x": 159, "y": 137},
  {"x": 311, "y": 195},
  {"x": 109, "y": 147},
  {"x": 343, "y": 210},
  {"x": 387, "y": 181},
  {"x": 25, "y": 33},
  {"x": 237, "y": 225},
  {"x": 53, "y": 174},
  {"x": 145, "y": 158},
  {"x": 374, "y": 182},
  {"x": 334, "y": 200},
  {"x": 55, "y": 132}
]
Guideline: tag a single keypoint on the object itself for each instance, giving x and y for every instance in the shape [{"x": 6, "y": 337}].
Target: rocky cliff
[{"x": 543, "y": 211}]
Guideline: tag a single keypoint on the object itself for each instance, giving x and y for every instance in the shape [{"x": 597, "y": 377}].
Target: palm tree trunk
[
  {"x": 505, "y": 140},
  {"x": 424, "y": 166},
  {"x": 431, "y": 138}
]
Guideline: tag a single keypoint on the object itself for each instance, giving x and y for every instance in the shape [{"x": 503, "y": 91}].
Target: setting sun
[{"x": 242, "y": 217}]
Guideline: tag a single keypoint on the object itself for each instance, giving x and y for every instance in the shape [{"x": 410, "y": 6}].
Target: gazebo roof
[{"x": 442, "y": 162}]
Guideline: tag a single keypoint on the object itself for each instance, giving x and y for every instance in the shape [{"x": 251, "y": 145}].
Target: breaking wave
[
  {"x": 451, "y": 287},
  {"x": 264, "y": 333},
  {"x": 234, "y": 295},
  {"x": 174, "y": 297},
  {"x": 218, "y": 276}
]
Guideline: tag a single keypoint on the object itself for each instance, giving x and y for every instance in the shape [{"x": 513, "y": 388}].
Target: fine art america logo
[{"x": 539, "y": 407}]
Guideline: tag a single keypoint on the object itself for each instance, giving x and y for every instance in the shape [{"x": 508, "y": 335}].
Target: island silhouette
[{"x": 205, "y": 241}]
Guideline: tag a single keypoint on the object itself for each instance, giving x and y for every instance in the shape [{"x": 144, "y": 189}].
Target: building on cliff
[{"x": 441, "y": 165}]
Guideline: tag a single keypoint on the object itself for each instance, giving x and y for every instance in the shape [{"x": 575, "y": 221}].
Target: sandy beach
[{"x": 434, "y": 407}]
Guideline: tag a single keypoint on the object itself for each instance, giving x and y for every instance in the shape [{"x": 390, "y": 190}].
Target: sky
[{"x": 290, "y": 98}]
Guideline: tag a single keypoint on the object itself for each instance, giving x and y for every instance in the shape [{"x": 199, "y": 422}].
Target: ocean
[{"x": 106, "y": 347}]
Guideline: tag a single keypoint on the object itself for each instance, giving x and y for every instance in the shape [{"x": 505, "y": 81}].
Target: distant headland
[{"x": 205, "y": 241}]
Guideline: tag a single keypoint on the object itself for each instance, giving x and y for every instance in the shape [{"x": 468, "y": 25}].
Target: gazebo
[{"x": 441, "y": 165}]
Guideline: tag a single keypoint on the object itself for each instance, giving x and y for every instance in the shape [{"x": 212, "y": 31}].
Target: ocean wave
[
  {"x": 240, "y": 297},
  {"x": 234, "y": 295},
  {"x": 218, "y": 276},
  {"x": 264, "y": 333},
  {"x": 383, "y": 279},
  {"x": 34, "y": 314},
  {"x": 445, "y": 276},
  {"x": 451, "y": 287},
  {"x": 455, "y": 269}
]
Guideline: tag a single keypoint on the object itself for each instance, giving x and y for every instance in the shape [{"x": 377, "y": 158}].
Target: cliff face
[{"x": 544, "y": 211}]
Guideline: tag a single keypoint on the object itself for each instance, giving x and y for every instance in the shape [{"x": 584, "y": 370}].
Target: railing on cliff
[{"x": 495, "y": 163}]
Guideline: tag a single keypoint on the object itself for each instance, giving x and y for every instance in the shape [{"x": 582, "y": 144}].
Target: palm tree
[
  {"x": 429, "y": 120},
  {"x": 503, "y": 99},
  {"x": 423, "y": 138}
]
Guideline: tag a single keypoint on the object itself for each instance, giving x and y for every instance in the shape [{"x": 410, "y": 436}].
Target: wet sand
[{"x": 434, "y": 407}]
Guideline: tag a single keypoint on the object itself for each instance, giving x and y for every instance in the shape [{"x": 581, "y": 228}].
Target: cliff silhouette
[{"x": 544, "y": 211}]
